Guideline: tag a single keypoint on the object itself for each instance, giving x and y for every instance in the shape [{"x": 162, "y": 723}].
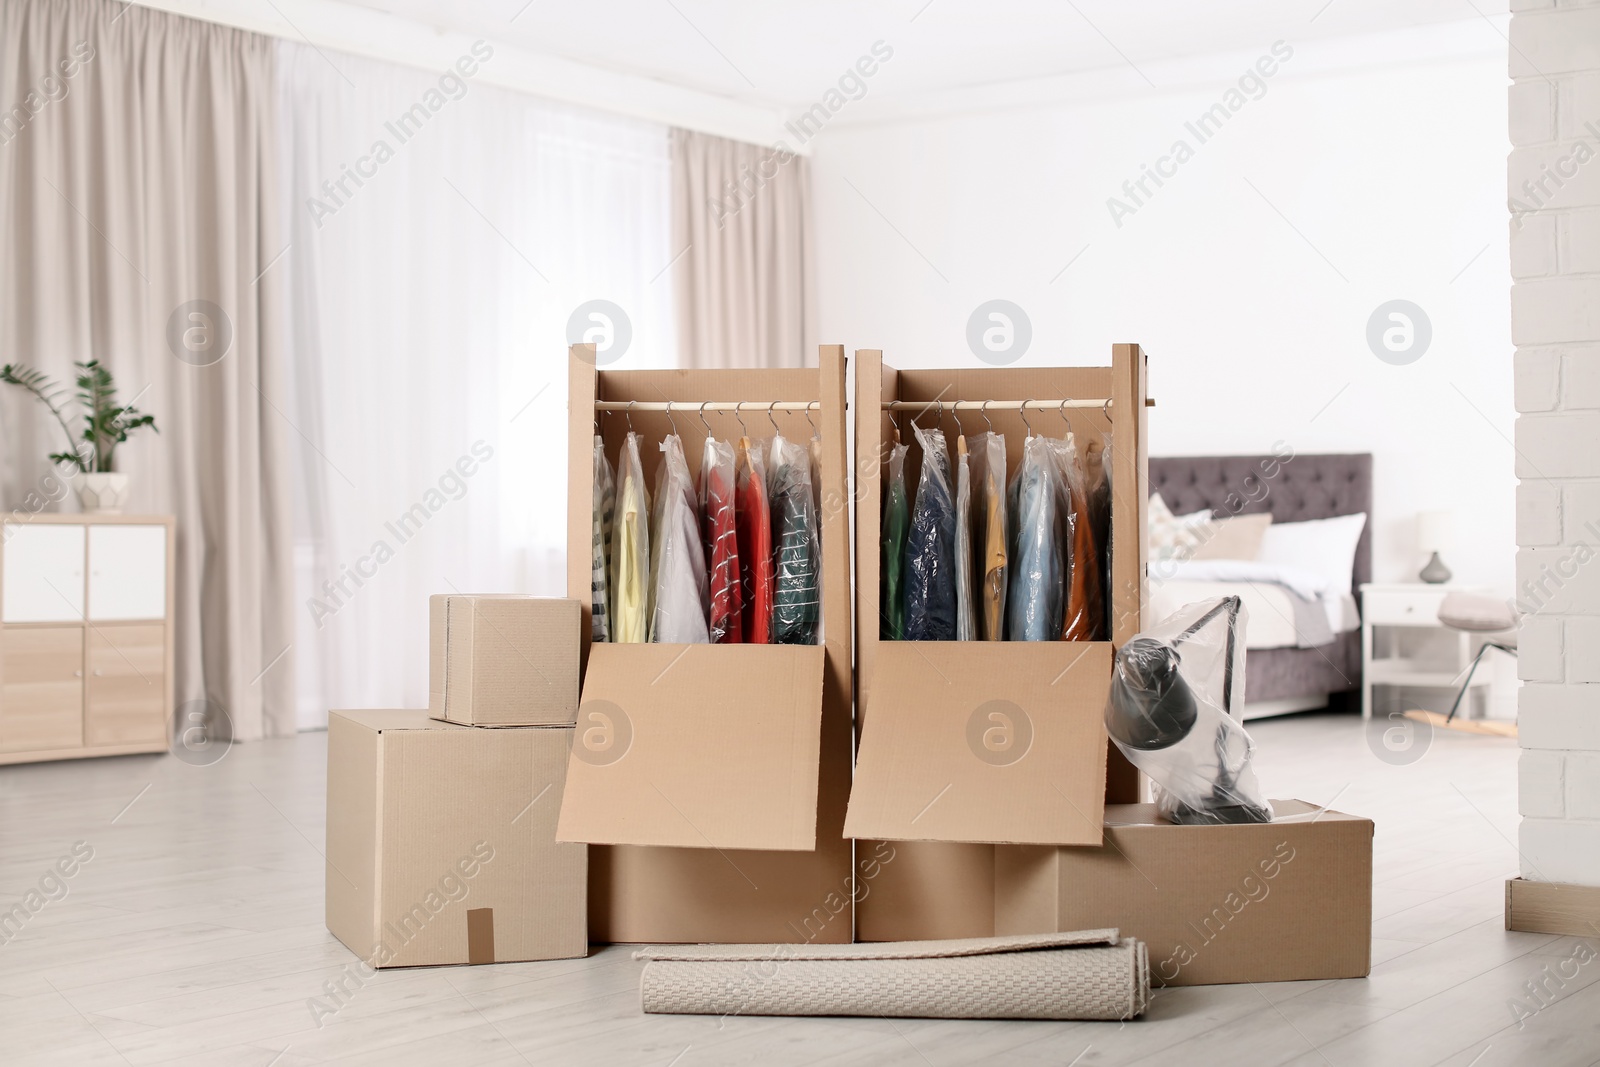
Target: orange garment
[{"x": 1084, "y": 607}]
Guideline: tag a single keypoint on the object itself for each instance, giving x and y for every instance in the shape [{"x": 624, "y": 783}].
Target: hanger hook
[
  {"x": 984, "y": 411},
  {"x": 703, "y": 421},
  {"x": 772, "y": 420},
  {"x": 1064, "y": 416},
  {"x": 629, "y": 414},
  {"x": 738, "y": 413},
  {"x": 1023, "y": 411},
  {"x": 895, "y": 423},
  {"x": 814, "y": 431},
  {"x": 670, "y": 420},
  {"x": 1105, "y": 409}
]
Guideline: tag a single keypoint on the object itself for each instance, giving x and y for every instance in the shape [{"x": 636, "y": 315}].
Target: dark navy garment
[{"x": 930, "y": 576}]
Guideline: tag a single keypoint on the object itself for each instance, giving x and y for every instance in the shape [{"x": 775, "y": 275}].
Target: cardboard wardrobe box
[
  {"x": 1284, "y": 901},
  {"x": 441, "y": 842},
  {"x": 711, "y": 780},
  {"x": 503, "y": 660},
  {"x": 965, "y": 744}
]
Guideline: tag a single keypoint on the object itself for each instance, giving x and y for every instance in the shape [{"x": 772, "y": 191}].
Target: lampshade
[{"x": 1433, "y": 531}]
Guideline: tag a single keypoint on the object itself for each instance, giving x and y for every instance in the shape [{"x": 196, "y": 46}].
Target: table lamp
[{"x": 1433, "y": 536}]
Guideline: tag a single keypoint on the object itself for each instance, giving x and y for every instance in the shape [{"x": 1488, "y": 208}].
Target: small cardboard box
[
  {"x": 441, "y": 842},
  {"x": 1283, "y": 901},
  {"x": 506, "y": 660}
]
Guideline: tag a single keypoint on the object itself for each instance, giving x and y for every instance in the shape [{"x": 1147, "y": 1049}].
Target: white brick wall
[{"x": 1553, "y": 182}]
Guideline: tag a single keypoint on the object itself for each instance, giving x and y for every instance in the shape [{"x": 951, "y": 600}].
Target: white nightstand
[{"x": 1392, "y": 614}]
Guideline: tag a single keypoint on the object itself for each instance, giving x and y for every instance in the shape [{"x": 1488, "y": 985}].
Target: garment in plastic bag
[
  {"x": 815, "y": 447},
  {"x": 988, "y": 462},
  {"x": 719, "y": 531},
  {"x": 1084, "y": 606},
  {"x": 678, "y": 557},
  {"x": 896, "y": 516},
  {"x": 1174, "y": 688},
  {"x": 1100, "y": 521},
  {"x": 796, "y": 543},
  {"x": 630, "y": 549},
  {"x": 1038, "y": 544},
  {"x": 931, "y": 546},
  {"x": 754, "y": 520},
  {"x": 966, "y": 620},
  {"x": 605, "y": 503}
]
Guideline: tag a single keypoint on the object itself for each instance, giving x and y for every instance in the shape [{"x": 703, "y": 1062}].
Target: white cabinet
[
  {"x": 127, "y": 572},
  {"x": 43, "y": 573}
]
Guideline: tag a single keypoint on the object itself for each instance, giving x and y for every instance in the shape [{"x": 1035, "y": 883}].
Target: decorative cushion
[
  {"x": 1174, "y": 536},
  {"x": 1238, "y": 537}
]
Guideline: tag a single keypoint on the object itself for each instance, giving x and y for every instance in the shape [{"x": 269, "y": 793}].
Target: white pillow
[{"x": 1324, "y": 546}]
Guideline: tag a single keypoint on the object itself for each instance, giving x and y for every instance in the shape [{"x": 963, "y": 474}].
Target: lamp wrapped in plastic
[{"x": 1173, "y": 689}]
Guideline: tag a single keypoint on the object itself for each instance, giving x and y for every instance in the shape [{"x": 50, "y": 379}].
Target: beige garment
[
  {"x": 745, "y": 276},
  {"x": 142, "y": 181}
]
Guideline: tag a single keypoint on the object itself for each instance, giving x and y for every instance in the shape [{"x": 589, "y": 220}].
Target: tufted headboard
[{"x": 1294, "y": 489}]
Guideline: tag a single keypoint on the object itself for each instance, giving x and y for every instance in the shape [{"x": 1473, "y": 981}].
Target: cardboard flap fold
[
  {"x": 1000, "y": 742},
  {"x": 697, "y": 746}
]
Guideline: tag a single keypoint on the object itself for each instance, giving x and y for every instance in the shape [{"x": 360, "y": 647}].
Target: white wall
[
  {"x": 1555, "y": 109},
  {"x": 1394, "y": 178}
]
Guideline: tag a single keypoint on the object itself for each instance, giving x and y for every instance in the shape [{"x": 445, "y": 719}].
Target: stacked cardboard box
[{"x": 442, "y": 823}]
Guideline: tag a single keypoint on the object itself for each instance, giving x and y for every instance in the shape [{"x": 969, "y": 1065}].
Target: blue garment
[{"x": 1034, "y": 601}]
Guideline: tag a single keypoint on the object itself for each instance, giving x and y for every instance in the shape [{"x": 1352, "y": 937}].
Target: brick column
[{"x": 1554, "y": 187}]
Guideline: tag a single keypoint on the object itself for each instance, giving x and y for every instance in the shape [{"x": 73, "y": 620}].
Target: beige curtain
[
  {"x": 136, "y": 177},
  {"x": 745, "y": 272}
]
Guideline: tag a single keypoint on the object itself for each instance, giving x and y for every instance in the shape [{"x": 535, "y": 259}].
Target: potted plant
[{"x": 92, "y": 455}]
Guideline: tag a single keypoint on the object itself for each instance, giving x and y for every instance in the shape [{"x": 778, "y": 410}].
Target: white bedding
[{"x": 1264, "y": 588}]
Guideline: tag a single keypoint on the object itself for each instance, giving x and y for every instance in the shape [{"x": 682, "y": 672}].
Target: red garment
[
  {"x": 755, "y": 545},
  {"x": 722, "y": 551}
]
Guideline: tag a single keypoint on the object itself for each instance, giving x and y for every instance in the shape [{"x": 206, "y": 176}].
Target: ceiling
[{"x": 782, "y": 54}]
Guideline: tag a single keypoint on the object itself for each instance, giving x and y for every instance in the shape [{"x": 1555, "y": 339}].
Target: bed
[{"x": 1281, "y": 678}]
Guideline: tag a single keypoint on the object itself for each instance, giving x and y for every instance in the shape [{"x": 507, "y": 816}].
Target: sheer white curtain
[{"x": 433, "y": 265}]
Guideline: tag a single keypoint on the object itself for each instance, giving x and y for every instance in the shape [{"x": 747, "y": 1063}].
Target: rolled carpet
[{"x": 1089, "y": 974}]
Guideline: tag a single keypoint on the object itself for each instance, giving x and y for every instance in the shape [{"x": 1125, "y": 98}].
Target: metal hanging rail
[{"x": 690, "y": 407}]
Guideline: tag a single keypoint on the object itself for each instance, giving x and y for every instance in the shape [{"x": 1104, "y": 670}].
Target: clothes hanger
[
  {"x": 1023, "y": 411},
  {"x": 703, "y": 422}
]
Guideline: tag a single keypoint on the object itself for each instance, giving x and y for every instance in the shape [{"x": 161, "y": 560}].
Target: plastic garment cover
[
  {"x": 931, "y": 547},
  {"x": 815, "y": 447},
  {"x": 891, "y": 593},
  {"x": 630, "y": 548},
  {"x": 796, "y": 543},
  {"x": 719, "y": 532},
  {"x": 966, "y": 620},
  {"x": 1084, "y": 608},
  {"x": 1038, "y": 545},
  {"x": 605, "y": 502},
  {"x": 1173, "y": 688},
  {"x": 754, "y": 521},
  {"x": 988, "y": 462},
  {"x": 678, "y": 558},
  {"x": 1099, "y": 476}
]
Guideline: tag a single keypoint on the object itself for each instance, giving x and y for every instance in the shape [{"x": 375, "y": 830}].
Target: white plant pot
[{"x": 101, "y": 494}]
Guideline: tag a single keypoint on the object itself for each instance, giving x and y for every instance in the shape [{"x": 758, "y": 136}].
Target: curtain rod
[{"x": 691, "y": 407}]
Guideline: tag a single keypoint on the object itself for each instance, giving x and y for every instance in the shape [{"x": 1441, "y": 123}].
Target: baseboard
[{"x": 1552, "y": 907}]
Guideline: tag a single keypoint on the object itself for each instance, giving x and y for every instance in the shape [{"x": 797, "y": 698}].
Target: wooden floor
[{"x": 194, "y": 935}]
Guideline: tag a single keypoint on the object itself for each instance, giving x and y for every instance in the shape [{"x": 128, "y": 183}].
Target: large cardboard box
[
  {"x": 1283, "y": 901},
  {"x": 967, "y": 744},
  {"x": 503, "y": 660},
  {"x": 441, "y": 842},
  {"x": 711, "y": 780}
]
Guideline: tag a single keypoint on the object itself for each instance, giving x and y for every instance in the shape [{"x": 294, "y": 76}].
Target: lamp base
[{"x": 1435, "y": 573}]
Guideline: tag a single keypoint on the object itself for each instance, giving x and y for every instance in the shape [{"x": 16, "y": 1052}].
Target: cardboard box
[
  {"x": 712, "y": 779},
  {"x": 1284, "y": 901},
  {"x": 504, "y": 660},
  {"x": 441, "y": 842},
  {"x": 928, "y": 779}
]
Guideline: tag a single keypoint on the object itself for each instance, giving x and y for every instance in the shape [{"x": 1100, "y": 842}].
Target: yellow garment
[
  {"x": 992, "y": 550},
  {"x": 630, "y": 549}
]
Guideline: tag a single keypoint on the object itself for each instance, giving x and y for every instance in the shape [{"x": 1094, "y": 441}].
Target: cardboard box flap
[
  {"x": 697, "y": 746},
  {"x": 980, "y": 741}
]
